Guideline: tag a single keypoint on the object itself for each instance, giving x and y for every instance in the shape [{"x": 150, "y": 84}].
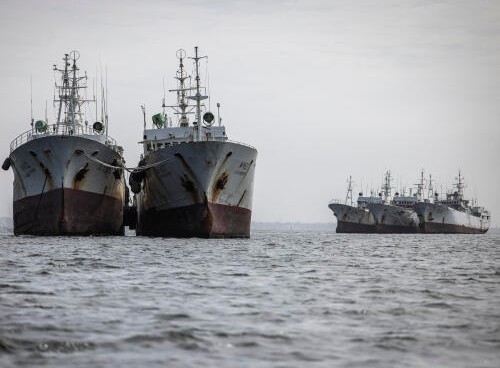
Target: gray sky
[{"x": 323, "y": 89}]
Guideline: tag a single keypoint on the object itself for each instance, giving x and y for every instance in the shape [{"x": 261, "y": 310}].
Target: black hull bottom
[
  {"x": 352, "y": 227},
  {"x": 395, "y": 229},
  {"x": 436, "y": 228},
  {"x": 68, "y": 212},
  {"x": 200, "y": 221},
  {"x": 207, "y": 220}
]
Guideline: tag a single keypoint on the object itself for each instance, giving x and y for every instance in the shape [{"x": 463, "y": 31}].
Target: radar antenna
[{"x": 69, "y": 112}]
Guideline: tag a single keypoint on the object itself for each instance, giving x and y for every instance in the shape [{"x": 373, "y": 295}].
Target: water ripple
[{"x": 279, "y": 299}]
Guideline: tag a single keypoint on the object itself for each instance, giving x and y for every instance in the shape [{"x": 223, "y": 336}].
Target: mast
[
  {"x": 420, "y": 186},
  {"x": 143, "y": 108},
  {"x": 460, "y": 185},
  {"x": 183, "y": 108},
  {"x": 218, "y": 113},
  {"x": 62, "y": 89},
  {"x": 198, "y": 97},
  {"x": 31, "y": 101},
  {"x": 182, "y": 105},
  {"x": 68, "y": 93},
  {"x": 106, "y": 103},
  {"x": 163, "y": 106},
  {"x": 348, "y": 196},
  {"x": 430, "y": 188},
  {"x": 74, "y": 93},
  {"x": 386, "y": 188},
  {"x": 94, "y": 90}
]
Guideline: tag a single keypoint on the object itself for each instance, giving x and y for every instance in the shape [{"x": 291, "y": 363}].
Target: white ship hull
[
  {"x": 197, "y": 189},
  {"x": 394, "y": 219},
  {"x": 61, "y": 189},
  {"x": 439, "y": 218},
  {"x": 352, "y": 219}
]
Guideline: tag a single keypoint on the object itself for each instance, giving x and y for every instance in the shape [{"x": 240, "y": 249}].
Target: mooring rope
[{"x": 129, "y": 169}]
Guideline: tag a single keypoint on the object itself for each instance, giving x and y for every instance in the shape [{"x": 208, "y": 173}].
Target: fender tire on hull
[{"x": 6, "y": 164}]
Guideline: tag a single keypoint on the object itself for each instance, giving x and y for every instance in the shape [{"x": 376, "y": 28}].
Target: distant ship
[
  {"x": 453, "y": 214},
  {"x": 396, "y": 214},
  {"x": 192, "y": 181},
  {"x": 68, "y": 176},
  {"x": 354, "y": 219}
]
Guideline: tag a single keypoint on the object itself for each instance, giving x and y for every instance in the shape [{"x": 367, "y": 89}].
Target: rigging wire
[{"x": 207, "y": 83}]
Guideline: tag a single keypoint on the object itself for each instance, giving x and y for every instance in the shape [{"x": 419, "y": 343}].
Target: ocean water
[{"x": 283, "y": 298}]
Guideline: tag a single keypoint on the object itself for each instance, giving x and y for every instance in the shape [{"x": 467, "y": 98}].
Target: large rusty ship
[
  {"x": 454, "y": 214},
  {"x": 68, "y": 176},
  {"x": 192, "y": 181},
  {"x": 351, "y": 218},
  {"x": 395, "y": 214}
]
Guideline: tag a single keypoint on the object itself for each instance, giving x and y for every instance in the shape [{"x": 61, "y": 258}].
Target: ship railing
[
  {"x": 188, "y": 137},
  {"x": 61, "y": 130},
  {"x": 243, "y": 144},
  {"x": 225, "y": 139}
]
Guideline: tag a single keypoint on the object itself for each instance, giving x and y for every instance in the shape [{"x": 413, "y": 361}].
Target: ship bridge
[{"x": 155, "y": 139}]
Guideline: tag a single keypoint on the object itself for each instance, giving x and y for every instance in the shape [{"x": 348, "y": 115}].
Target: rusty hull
[
  {"x": 200, "y": 189},
  {"x": 353, "y": 227},
  {"x": 66, "y": 211},
  {"x": 206, "y": 220},
  {"x": 391, "y": 219},
  {"x": 352, "y": 219},
  {"x": 437, "y": 228},
  {"x": 59, "y": 190},
  {"x": 437, "y": 218}
]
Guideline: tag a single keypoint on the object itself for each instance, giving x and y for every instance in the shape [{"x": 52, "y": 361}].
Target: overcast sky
[{"x": 323, "y": 89}]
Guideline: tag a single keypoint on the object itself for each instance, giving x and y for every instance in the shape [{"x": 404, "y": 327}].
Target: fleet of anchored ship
[
  {"x": 191, "y": 180},
  {"x": 412, "y": 213}
]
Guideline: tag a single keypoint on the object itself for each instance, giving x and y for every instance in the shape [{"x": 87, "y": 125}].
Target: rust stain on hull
[
  {"x": 353, "y": 227},
  {"x": 439, "y": 228},
  {"x": 80, "y": 175},
  {"x": 68, "y": 212},
  {"x": 189, "y": 180},
  {"x": 219, "y": 186},
  {"x": 396, "y": 229},
  {"x": 204, "y": 220}
]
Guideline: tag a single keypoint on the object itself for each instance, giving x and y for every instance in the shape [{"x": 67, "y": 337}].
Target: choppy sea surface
[{"x": 280, "y": 299}]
